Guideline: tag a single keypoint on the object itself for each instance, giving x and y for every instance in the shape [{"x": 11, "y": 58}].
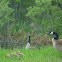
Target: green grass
[{"x": 47, "y": 54}]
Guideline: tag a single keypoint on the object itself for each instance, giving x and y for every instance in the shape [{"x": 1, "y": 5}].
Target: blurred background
[{"x": 18, "y": 18}]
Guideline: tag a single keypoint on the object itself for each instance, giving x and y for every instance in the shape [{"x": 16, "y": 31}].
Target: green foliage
[
  {"x": 50, "y": 17},
  {"x": 20, "y": 7},
  {"x": 46, "y": 15},
  {"x": 5, "y": 17},
  {"x": 5, "y": 11},
  {"x": 18, "y": 1}
]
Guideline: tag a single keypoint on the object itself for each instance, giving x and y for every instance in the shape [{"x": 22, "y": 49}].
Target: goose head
[
  {"x": 54, "y": 33},
  {"x": 51, "y": 32}
]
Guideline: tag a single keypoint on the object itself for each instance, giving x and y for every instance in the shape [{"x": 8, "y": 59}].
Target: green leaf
[{"x": 18, "y": 1}]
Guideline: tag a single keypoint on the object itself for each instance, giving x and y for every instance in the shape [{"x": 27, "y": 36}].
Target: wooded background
[{"x": 18, "y": 18}]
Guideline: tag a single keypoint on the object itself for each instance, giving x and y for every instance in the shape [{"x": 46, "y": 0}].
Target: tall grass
[{"x": 47, "y": 54}]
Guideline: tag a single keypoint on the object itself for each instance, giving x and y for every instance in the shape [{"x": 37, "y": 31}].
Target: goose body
[
  {"x": 28, "y": 46},
  {"x": 57, "y": 43}
]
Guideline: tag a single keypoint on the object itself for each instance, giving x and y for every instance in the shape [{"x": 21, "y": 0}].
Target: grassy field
[{"x": 47, "y": 54}]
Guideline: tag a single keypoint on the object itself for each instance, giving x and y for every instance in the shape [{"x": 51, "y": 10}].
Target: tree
[
  {"x": 57, "y": 2},
  {"x": 5, "y": 18},
  {"x": 20, "y": 8},
  {"x": 48, "y": 15}
]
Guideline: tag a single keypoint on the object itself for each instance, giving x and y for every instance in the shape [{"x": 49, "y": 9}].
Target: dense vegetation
[{"x": 20, "y": 17}]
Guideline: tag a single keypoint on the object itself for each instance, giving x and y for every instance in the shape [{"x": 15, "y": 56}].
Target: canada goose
[
  {"x": 28, "y": 44},
  {"x": 57, "y": 43}
]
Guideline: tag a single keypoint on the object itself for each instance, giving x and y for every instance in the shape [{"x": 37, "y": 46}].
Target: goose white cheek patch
[{"x": 51, "y": 32}]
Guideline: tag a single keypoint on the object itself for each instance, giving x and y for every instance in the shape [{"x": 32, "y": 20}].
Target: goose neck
[
  {"x": 29, "y": 39},
  {"x": 56, "y": 35}
]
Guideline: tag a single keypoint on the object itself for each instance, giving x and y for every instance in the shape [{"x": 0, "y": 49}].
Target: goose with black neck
[
  {"x": 28, "y": 44},
  {"x": 57, "y": 43}
]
